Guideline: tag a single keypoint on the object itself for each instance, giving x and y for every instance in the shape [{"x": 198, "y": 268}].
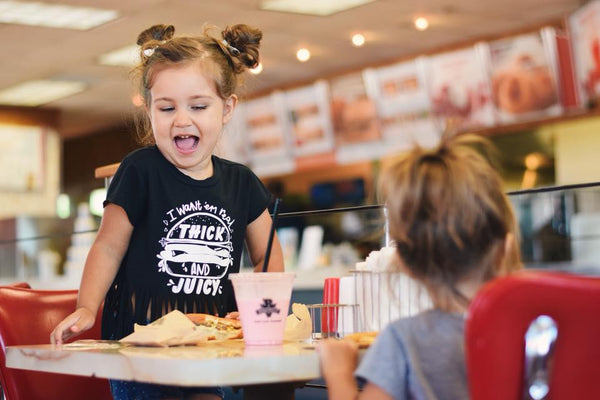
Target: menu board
[
  {"x": 268, "y": 148},
  {"x": 308, "y": 118},
  {"x": 355, "y": 123},
  {"x": 584, "y": 27},
  {"x": 22, "y": 160},
  {"x": 524, "y": 78},
  {"x": 403, "y": 105},
  {"x": 459, "y": 89}
]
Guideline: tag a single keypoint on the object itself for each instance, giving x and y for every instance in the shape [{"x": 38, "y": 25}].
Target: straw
[{"x": 271, "y": 234}]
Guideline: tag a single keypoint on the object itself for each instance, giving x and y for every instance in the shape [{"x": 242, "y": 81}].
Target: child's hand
[
  {"x": 339, "y": 358},
  {"x": 233, "y": 315},
  {"x": 74, "y": 324}
]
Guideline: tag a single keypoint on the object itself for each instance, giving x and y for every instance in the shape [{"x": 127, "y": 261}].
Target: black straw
[{"x": 271, "y": 234}]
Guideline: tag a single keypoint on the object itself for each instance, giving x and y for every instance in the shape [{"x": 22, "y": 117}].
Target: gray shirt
[{"x": 420, "y": 357}]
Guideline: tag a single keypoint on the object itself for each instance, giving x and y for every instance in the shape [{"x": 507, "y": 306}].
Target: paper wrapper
[
  {"x": 298, "y": 325},
  {"x": 173, "y": 329}
]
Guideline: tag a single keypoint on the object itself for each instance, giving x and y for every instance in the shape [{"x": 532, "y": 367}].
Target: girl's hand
[
  {"x": 339, "y": 358},
  {"x": 233, "y": 315},
  {"x": 338, "y": 362},
  {"x": 74, "y": 324}
]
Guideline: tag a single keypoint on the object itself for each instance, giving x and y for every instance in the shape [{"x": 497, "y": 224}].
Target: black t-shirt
[{"x": 188, "y": 236}]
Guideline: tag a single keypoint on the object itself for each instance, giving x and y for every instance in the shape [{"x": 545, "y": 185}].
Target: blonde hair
[
  {"x": 222, "y": 59},
  {"x": 448, "y": 213}
]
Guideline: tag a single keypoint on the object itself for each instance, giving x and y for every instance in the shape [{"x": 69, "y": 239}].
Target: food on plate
[
  {"x": 179, "y": 329},
  {"x": 172, "y": 329},
  {"x": 217, "y": 328},
  {"x": 363, "y": 339}
]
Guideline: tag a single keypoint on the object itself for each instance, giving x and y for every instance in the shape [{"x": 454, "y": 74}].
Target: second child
[{"x": 454, "y": 230}]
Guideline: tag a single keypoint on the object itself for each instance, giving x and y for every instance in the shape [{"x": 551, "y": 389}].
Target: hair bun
[
  {"x": 246, "y": 40},
  {"x": 156, "y": 32}
]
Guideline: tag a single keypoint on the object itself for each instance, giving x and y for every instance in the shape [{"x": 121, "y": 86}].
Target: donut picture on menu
[{"x": 523, "y": 81}]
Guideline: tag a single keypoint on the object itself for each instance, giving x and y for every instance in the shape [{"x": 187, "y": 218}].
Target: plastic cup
[{"x": 263, "y": 300}]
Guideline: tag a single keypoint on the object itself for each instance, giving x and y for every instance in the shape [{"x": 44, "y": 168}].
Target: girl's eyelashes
[{"x": 193, "y": 108}]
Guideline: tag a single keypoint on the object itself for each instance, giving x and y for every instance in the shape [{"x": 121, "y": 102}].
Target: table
[{"x": 263, "y": 371}]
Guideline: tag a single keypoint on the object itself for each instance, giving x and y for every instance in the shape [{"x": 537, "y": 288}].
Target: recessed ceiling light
[
  {"x": 303, "y": 55},
  {"x": 257, "y": 70},
  {"x": 35, "y": 93},
  {"x": 124, "y": 57},
  {"x": 421, "y": 23},
  {"x": 53, "y": 15},
  {"x": 311, "y": 7},
  {"x": 358, "y": 40}
]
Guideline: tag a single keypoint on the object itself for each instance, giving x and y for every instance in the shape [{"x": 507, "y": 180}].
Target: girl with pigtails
[
  {"x": 454, "y": 230},
  {"x": 176, "y": 216}
]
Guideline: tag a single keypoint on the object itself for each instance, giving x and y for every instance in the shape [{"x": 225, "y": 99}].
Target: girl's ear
[{"x": 228, "y": 107}]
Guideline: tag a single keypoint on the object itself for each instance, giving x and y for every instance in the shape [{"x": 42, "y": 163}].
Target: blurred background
[{"x": 343, "y": 87}]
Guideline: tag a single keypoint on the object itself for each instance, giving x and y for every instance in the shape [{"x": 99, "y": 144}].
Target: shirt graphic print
[{"x": 196, "y": 249}]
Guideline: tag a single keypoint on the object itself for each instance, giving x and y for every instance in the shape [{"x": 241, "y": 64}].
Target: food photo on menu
[
  {"x": 585, "y": 42},
  {"x": 523, "y": 73},
  {"x": 352, "y": 111},
  {"x": 308, "y": 119},
  {"x": 403, "y": 105},
  {"x": 356, "y": 125},
  {"x": 459, "y": 89},
  {"x": 263, "y": 122}
]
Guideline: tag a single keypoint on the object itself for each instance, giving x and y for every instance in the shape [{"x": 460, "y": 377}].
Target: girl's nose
[{"x": 182, "y": 118}]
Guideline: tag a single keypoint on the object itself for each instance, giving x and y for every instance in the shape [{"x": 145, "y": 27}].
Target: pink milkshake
[{"x": 263, "y": 300}]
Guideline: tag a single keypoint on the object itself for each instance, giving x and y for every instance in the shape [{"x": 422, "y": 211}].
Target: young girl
[
  {"x": 454, "y": 230},
  {"x": 176, "y": 216}
]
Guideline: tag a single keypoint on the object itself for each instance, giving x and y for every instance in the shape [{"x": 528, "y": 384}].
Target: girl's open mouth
[{"x": 186, "y": 143}]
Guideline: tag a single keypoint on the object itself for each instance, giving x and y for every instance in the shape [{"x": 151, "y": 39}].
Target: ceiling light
[
  {"x": 35, "y": 93},
  {"x": 124, "y": 57},
  {"x": 303, "y": 55},
  {"x": 311, "y": 7},
  {"x": 421, "y": 23},
  {"x": 53, "y": 15},
  {"x": 257, "y": 70},
  {"x": 358, "y": 40}
]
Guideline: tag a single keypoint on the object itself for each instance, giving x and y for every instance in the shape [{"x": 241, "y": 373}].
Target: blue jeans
[{"x": 126, "y": 390}]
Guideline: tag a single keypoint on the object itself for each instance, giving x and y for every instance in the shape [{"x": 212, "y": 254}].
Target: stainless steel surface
[{"x": 539, "y": 344}]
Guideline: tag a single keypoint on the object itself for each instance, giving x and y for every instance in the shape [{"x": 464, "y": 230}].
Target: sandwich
[{"x": 217, "y": 328}]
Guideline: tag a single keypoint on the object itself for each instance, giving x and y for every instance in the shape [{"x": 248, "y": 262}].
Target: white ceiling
[{"x": 45, "y": 53}]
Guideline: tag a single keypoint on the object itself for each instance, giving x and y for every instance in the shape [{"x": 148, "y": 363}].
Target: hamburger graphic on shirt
[{"x": 196, "y": 251}]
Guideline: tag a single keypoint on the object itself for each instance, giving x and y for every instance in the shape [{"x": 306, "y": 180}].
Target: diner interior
[{"x": 375, "y": 77}]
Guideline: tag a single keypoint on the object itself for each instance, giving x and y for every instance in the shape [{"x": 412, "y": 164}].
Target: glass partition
[{"x": 559, "y": 226}]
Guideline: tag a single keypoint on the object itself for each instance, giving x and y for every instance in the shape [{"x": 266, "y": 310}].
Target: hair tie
[
  {"x": 231, "y": 49},
  {"x": 149, "y": 51}
]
